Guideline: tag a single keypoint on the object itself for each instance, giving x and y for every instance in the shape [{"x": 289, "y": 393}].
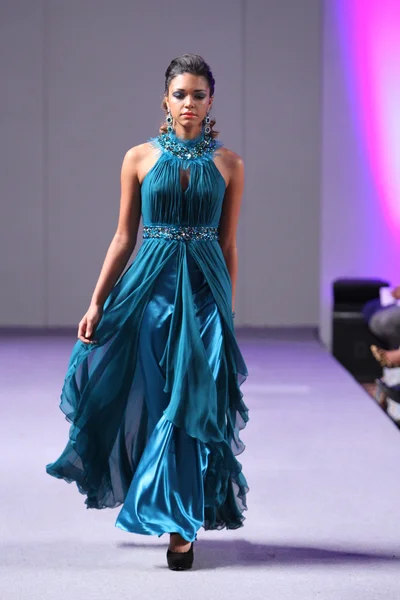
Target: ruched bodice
[
  {"x": 155, "y": 405},
  {"x": 165, "y": 202}
]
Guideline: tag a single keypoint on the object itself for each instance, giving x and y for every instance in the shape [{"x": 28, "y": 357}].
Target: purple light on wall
[{"x": 372, "y": 47}]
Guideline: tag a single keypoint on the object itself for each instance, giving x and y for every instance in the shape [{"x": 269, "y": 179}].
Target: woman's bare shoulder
[
  {"x": 230, "y": 164},
  {"x": 231, "y": 158},
  {"x": 139, "y": 152},
  {"x": 140, "y": 159}
]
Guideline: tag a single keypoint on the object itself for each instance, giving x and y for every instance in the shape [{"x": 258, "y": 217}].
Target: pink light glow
[{"x": 373, "y": 48}]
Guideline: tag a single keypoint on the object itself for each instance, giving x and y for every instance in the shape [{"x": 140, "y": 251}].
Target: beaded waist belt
[{"x": 175, "y": 232}]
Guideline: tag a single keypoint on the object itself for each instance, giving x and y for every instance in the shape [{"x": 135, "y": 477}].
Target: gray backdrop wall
[{"x": 82, "y": 82}]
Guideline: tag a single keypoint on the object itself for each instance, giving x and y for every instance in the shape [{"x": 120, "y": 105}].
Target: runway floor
[{"x": 322, "y": 463}]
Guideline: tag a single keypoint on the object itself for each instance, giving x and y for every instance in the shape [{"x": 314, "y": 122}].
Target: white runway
[{"x": 321, "y": 462}]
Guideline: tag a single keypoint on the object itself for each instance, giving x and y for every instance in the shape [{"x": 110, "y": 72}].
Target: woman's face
[{"x": 188, "y": 100}]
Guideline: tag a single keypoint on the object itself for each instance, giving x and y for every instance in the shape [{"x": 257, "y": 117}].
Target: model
[{"x": 152, "y": 390}]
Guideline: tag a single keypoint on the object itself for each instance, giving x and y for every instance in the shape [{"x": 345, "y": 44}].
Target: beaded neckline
[{"x": 188, "y": 149}]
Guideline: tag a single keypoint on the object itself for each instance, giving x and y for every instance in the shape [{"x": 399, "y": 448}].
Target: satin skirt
[
  {"x": 155, "y": 406},
  {"x": 167, "y": 490}
]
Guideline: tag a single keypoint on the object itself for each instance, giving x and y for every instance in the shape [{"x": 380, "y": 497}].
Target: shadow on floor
[{"x": 219, "y": 554}]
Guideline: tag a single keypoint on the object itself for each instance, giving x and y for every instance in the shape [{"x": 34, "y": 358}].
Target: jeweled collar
[{"x": 187, "y": 149}]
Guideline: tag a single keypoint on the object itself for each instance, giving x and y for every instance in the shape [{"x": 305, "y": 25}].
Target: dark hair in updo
[{"x": 195, "y": 65}]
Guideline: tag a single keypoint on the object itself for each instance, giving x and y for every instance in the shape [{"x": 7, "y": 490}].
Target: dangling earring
[
  {"x": 207, "y": 126},
  {"x": 169, "y": 122}
]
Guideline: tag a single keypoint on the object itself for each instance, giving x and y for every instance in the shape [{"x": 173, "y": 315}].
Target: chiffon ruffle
[{"x": 117, "y": 451}]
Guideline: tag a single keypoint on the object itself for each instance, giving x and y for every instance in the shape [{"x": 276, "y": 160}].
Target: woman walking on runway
[{"x": 152, "y": 390}]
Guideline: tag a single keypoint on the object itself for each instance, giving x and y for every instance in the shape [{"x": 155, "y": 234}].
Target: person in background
[{"x": 384, "y": 323}]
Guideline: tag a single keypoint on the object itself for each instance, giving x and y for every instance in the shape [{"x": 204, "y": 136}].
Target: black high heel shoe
[{"x": 180, "y": 561}]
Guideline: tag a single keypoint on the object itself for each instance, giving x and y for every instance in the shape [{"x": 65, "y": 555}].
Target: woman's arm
[
  {"x": 121, "y": 247},
  {"x": 230, "y": 218},
  {"x": 124, "y": 240}
]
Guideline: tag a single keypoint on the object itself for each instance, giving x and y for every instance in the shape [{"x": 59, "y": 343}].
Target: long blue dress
[{"x": 155, "y": 404}]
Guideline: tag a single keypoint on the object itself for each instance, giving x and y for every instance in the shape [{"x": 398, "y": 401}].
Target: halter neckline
[{"x": 203, "y": 146}]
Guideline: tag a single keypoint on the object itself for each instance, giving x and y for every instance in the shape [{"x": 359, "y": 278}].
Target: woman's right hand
[{"x": 88, "y": 324}]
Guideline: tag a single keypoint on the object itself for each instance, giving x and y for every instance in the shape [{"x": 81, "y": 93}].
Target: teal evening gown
[{"x": 155, "y": 404}]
